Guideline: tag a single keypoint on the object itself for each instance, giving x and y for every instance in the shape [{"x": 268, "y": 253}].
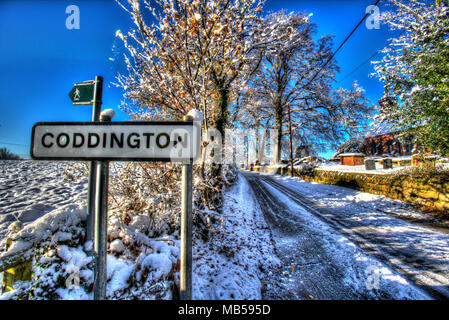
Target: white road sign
[{"x": 134, "y": 140}]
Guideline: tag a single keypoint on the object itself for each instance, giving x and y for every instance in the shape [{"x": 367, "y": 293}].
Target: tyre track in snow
[
  {"x": 417, "y": 267},
  {"x": 310, "y": 259}
]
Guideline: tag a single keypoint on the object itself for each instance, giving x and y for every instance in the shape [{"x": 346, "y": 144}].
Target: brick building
[{"x": 383, "y": 139}]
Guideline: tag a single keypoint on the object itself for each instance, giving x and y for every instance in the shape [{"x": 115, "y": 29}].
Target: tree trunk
[
  {"x": 278, "y": 143},
  {"x": 220, "y": 124},
  {"x": 222, "y": 112},
  {"x": 263, "y": 143},
  {"x": 257, "y": 141},
  {"x": 203, "y": 157},
  {"x": 291, "y": 141},
  {"x": 262, "y": 146}
]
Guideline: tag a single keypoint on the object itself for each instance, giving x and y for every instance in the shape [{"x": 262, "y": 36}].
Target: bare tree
[
  {"x": 195, "y": 55},
  {"x": 256, "y": 114},
  {"x": 297, "y": 75}
]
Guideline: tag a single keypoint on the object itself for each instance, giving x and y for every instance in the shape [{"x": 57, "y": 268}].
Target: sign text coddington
[
  {"x": 140, "y": 141},
  {"x": 112, "y": 140}
]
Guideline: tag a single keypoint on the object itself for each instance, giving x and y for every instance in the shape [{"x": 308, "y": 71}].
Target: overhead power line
[
  {"x": 360, "y": 65},
  {"x": 14, "y": 144},
  {"x": 341, "y": 45},
  {"x": 364, "y": 62}
]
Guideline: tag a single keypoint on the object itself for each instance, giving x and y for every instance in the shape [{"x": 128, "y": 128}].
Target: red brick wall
[{"x": 386, "y": 144}]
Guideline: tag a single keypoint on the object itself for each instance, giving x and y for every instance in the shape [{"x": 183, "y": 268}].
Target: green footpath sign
[{"x": 82, "y": 93}]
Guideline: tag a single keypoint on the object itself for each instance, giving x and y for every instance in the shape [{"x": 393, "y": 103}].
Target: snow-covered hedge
[{"x": 143, "y": 235}]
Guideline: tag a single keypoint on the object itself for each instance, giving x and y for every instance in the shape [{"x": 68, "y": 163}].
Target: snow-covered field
[
  {"x": 334, "y": 166},
  {"x": 358, "y": 169},
  {"x": 30, "y": 189}
]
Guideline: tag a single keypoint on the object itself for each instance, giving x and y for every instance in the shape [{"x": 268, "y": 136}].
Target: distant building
[{"x": 384, "y": 139}]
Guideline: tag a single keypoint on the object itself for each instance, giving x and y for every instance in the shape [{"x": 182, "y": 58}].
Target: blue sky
[{"x": 40, "y": 58}]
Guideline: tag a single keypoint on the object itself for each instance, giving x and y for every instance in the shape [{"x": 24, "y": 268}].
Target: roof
[
  {"x": 351, "y": 154},
  {"x": 380, "y": 127}
]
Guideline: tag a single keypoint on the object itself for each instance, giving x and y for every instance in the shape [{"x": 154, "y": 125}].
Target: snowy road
[{"x": 338, "y": 243}]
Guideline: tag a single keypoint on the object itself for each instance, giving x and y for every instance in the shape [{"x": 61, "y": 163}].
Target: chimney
[{"x": 386, "y": 103}]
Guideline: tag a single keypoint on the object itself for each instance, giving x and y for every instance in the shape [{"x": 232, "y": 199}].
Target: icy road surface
[
  {"x": 339, "y": 243},
  {"x": 30, "y": 189}
]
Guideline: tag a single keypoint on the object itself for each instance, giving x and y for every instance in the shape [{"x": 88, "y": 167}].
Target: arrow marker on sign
[{"x": 82, "y": 93}]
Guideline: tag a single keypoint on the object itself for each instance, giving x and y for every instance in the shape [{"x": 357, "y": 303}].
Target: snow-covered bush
[
  {"x": 308, "y": 169},
  {"x": 61, "y": 271},
  {"x": 144, "y": 197},
  {"x": 54, "y": 243},
  {"x": 426, "y": 172},
  {"x": 62, "y": 264},
  {"x": 350, "y": 146}
]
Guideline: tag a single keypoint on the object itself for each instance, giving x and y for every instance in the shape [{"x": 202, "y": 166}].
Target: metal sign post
[
  {"x": 101, "y": 228},
  {"x": 98, "y": 93},
  {"x": 186, "y": 232},
  {"x": 101, "y": 222},
  {"x": 90, "y": 93}
]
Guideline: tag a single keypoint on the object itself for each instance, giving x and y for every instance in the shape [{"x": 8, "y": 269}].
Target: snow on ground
[
  {"x": 227, "y": 266},
  {"x": 43, "y": 212},
  {"x": 332, "y": 166},
  {"x": 29, "y": 189},
  {"x": 358, "y": 169},
  {"x": 355, "y": 203},
  {"x": 329, "y": 166},
  {"x": 362, "y": 273},
  {"x": 374, "y": 213},
  {"x": 232, "y": 263}
]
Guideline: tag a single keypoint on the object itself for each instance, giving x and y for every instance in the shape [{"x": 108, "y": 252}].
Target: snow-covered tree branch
[
  {"x": 415, "y": 69},
  {"x": 292, "y": 76}
]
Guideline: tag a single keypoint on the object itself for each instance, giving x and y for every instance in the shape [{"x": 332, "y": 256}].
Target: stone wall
[{"x": 430, "y": 193}]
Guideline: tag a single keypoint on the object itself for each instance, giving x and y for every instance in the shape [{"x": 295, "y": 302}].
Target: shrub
[
  {"x": 5, "y": 154},
  {"x": 423, "y": 172},
  {"x": 146, "y": 196},
  {"x": 308, "y": 169}
]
